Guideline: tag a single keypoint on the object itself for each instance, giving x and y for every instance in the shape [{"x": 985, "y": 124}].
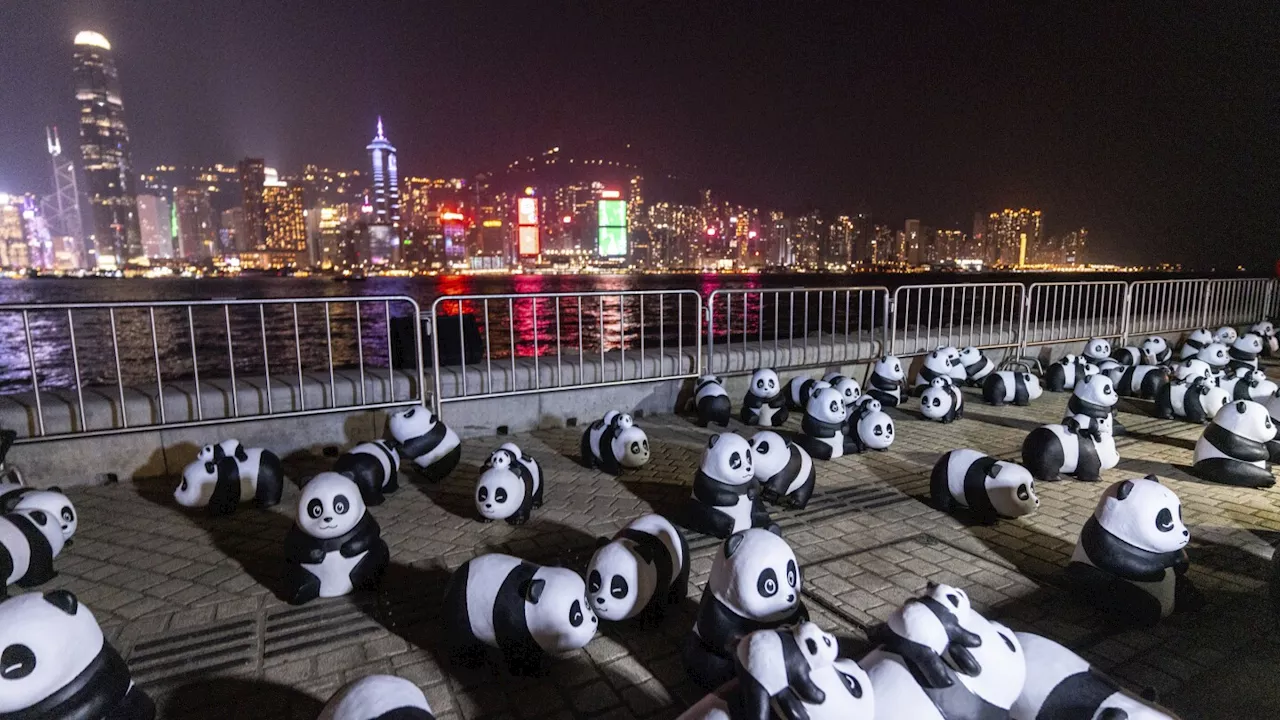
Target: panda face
[
  {"x": 1097, "y": 349},
  {"x": 827, "y": 405},
  {"x": 939, "y": 361},
  {"x": 1263, "y": 329},
  {"x": 501, "y": 459},
  {"x": 1143, "y": 513},
  {"x": 47, "y": 525},
  {"x": 622, "y": 420},
  {"x": 1225, "y": 335},
  {"x": 1249, "y": 344},
  {"x": 755, "y": 574},
  {"x": 1012, "y": 490},
  {"x": 57, "y": 505},
  {"x": 1247, "y": 419},
  {"x": 765, "y": 383},
  {"x": 1215, "y": 354},
  {"x": 557, "y": 611},
  {"x": 819, "y": 648},
  {"x": 46, "y": 640},
  {"x": 330, "y": 506},
  {"x": 848, "y": 389},
  {"x": 631, "y": 446},
  {"x": 196, "y": 487},
  {"x": 1033, "y": 386},
  {"x": 770, "y": 452},
  {"x": 1098, "y": 390},
  {"x": 499, "y": 493},
  {"x": 890, "y": 367},
  {"x": 728, "y": 459},
  {"x": 412, "y": 423},
  {"x": 867, "y": 404},
  {"x": 620, "y": 581},
  {"x": 936, "y": 401},
  {"x": 875, "y": 430},
  {"x": 1155, "y": 349},
  {"x": 1192, "y": 368},
  {"x": 970, "y": 355}
]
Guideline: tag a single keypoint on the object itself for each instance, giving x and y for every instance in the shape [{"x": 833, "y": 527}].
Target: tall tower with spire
[{"x": 386, "y": 182}]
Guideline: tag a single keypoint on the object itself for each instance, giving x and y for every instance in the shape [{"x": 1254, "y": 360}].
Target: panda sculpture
[
  {"x": 510, "y": 487},
  {"x": 977, "y": 366},
  {"x": 848, "y": 388},
  {"x": 784, "y": 470},
  {"x": 711, "y": 402},
  {"x": 1111, "y": 369},
  {"x": 374, "y": 467},
  {"x": 50, "y": 500},
  {"x": 1130, "y": 558},
  {"x": 525, "y": 611},
  {"x": 1064, "y": 374},
  {"x": 1226, "y": 335},
  {"x": 640, "y": 572},
  {"x": 227, "y": 474},
  {"x": 1006, "y": 386},
  {"x": 844, "y": 685},
  {"x": 55, "y": 663},
  {"x": 423, "y": 438},
  {"x": 1156, "y": 351},
  {"x": 1070, "y": 448},
  {"x": 754, "y": 584},
  {"x": 1217, "y": 356},
  {"x": 1267, "y": 331},
  {"x": 886, "y": 381},
  {"x": 1142, "y": 381},
  {"x": 1196, "y": 399},
  {"x": 335, "y": 546},
  {"x": 942, "y": 401},
  {"x": 1092, "y": 401},
  {"x": 1272, "y": 404},
  {"x": 944, "y": 362},
  {"x": 378, "y": 697},
  {"x": 29, "y": 542},
  {"x": 614, "y": 442},
  {"x": 726, "y": 496},
  {"x": 823, "y": 427},
  {"x": 764, "y": 405},
  {"x": 870, "y": 427},
  {"x": 1096, "y": 351},
  {"x": 1247, "y": 384},
  {"x": 1062, "y": 685},
  {"x": 1128, "y": 355},
  {"x": 1194, "y": 343},
  {"x": 774, "y": 669},
  {"x": 1234, "y": 449},
  {"x": 1244, "y": 352},
  {"x": 800, "y": 389},
  {"x": 984, "y": 487}
]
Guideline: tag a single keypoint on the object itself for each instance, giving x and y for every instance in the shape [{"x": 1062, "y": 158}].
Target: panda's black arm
[
  {"x": 790, "y": 706},
  {"x": 806, "y": 689},
  {"x": 300, "y": 547},
  {"x": 712, "y": 492},
  {"x": 362, "y": 538}
]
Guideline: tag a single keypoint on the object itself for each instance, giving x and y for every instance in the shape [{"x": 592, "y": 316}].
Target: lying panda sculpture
[
  {"x": 844, "y": 685},
  {"x": 775, "y": 668},
  {"x": 784, "y": 470},
  {"x": 378, "y": 697},
  {"x": 50, "y": 500},
  {"x": 1064, "y": 374},
  {"x": 227, "y": 474},
  {"x": 1235, "y": 448},
  {"x": 711, "y": 402},
  {"x": 1192, "y": 395},
  {"x": 423, "y": 438},
  {"x": 614, "y": 442},
  {"x": 1142, "y": 381},
  {"x": 640, "y": 572},
  {"x": 764, "y": 404},
  {"x": 848, "y": 388},
  {"x": 1006, "y": 386},
  {"x": 986, "y": 488},
  {"x": 977, "y": 366},
  {"x": 1244, "y": 352},
  {"x": 1195, "y": 342},
  {"x": 335, "y": 546},
  {"x": 1062, "y": 685},
  {"x": 1247, "y": 384},
  {"x": 375, "y": 469},
  {"x": 886, "y": 381}
]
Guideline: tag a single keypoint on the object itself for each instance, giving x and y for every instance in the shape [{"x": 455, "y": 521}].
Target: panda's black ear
[
  {"x": 994, "y": 470},
  {"x": 733, "y": 542},
  {"x": 241, "y": 454},
  {"x": 63, "y": 600},
  {"x": 712, "y": 442},
  {"x": 209, "y": 467},
  {"x": 1126, "y": 487},
  {"x": 1241, "y": 407},
  {"x": 1153, "y": 479},
  {"x": 645, "y": 552},
  {"x": 531, "y": 590},
  {"x": 601, "y": 542}
]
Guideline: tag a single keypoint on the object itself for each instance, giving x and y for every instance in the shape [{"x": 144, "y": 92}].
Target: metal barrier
[
  {"x": 988, "y": 315},
  {"x": 1238, "y": 302},
  {"x": 1165, "y": 306},
  {"x": 198, "y": 362},
  {"x": 1065, "y": 312},
  {"x": 838, "y": 324},
  {"x": 619, "y": 337}
]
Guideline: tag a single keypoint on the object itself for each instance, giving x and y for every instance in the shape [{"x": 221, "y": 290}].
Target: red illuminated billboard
[{"x": 527, "y": 226}]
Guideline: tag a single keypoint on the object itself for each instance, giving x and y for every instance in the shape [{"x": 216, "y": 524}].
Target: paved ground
[{"x": 189, "y": 600}]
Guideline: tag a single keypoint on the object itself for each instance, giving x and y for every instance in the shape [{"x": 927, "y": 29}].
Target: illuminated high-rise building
[
  {"x": 13, "y": 248},
  {"x": 154, "y": 222},
  {"x": 196, "y": 234},
  {"x": 1010, "y": 233},
  {"x": 285, "y": 225},
  {"x": 386, "y": 182},
  {"x": 231, "y": 229},
  {"x": 253, "y": 175},
  {"x": 104, "y": 152}
]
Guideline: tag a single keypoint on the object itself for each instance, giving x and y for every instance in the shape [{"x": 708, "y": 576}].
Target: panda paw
[
  {"x": 486, "y": 520},
  {"x": 517, "y": 520}
]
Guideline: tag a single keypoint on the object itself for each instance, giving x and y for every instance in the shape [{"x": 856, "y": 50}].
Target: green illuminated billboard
[{"x": 612, "y": 240}]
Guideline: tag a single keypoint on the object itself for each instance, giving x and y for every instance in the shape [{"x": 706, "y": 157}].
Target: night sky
[{"x": 1153, "y": 124}]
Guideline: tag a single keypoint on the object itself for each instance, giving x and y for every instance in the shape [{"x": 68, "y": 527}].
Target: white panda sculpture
[
  {"x": 1195, "y": 341},
  {"x": 726, "y": 497},
  {"x": 640, "y": 572},
  {"x": 1192, "y": 395},
  {"x": 711, "y": 402},
  {"x": 55, "y": 663},
  {"x": 1272, "y": 404},
  {"x": 335, "y": 546},
  {"x": 1244, "y": 352},
  {"x": 943, "y": 362},
  {"x": 51, "y": 500},
  {"x": 942, "y": 401},
  {"x": 1092, "y": 401},
  {"x": 784, "y": 470},
  {"x": 1070, "y": 448},
  {"x": 1008, "y": 386},
  {"x": 977, "y": 366},
  {"x": 375, "y": 468},
  {"x": 1244, "y": 383},
  {"x": 774, "y": 669},
  {"x": 1267, "y": 331},
  {"x": 822, "y": 431},
  {"x": 886, "y": 381},
  {"x": 1127, "y": 355},
  {"x": 848, "y": 388},
  {"x": 1130, "y": 558},
  {"x": 1064, "y": 374},
  {"x": 1235, "y": 448},
  {"x": 227, "y": 474},
  {"x": 525, "y": 611},
  {"x": 510, "y": 487},
  {"x": 1226, "y": 335},
  {"x": 986, "y": 488},
  {"x": 755, "y": 584},
  {"x": 1063, "y": 686},
  {"x": 845, "y": 685},
  {"x": 1112, "y": 369},
  {"x": 870, "y": 427},
  {"x": 764, "y": 404},
  {"x": 378, "y": 697},
  {"x": 1217, "y": 356},
  {"x": 30, "y": 540},
  {"x": 614, "y": 442},
  {"x": 1142, "y": 381},
  {"x": 424, "y": 439},
  {"x": 1156, "y": 351},
  {"x": 1096, "y": 351},
  {"x": 799, "y": 390}
]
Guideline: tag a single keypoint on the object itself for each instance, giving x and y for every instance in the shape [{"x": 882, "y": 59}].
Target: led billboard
[
  {"x": 527, "y": 226},
  {"x": 612, "y": 238}
]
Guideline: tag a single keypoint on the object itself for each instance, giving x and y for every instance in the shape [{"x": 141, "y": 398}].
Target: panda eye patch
[
  {"x": 1164, "y": 520},
  {"x": 17, "y": 662},
  {"x": 1007, "y": 641},
  {"x": 69, "y": 515},
  {"x": 575, "y": 613},
  {"x": 184, "y": 484},
  {"x": 827, "y": 640},
  {"x": 937, "y": 402},
  {"x": 852, "y": 685},
  {"x": 760, "y": 384},
  {"x": 315, "y": 508},
  {"x": 593, "y": 582},
  {"x": 410, "y": 413},
  {"x": 618, "y": 587},
  {"x": 835, "y": 406},
  {"x": 635, "y": 448},
  {"x": 735, "y": 461},
  {"x": 767, "y": 584},
  {"x": 792, "y": 579},
  {"x": 645, "y": 444},
  {"x": 1023, "y": 494},
  {"x": 482, "y": 494},
  {"x": 500, "y": 495},
  {"x": 763, "y": 448},
  {"x": 341, "y": 504}
]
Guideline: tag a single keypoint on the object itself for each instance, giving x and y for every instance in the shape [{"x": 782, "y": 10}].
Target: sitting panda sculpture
[
  {"x": 614, "y": 442},
  {"x": 1272, "y": 404},
  {"x": 1267, "y": 331},
  {"x": 869, "y": 426},
  {"x": 1061, "y": 685},
  {"x": 1225, "y": 335},
  {"x": 1244, "y": 352},
  {"x": 977, "y": 366},
  {"x": 823, "y": 427},
  {"x": 755, "y": 584},
  {"x": 30, "y": 540},
  {"x": 798, "y": 390},
  {"x": 886, "y": 381},
  {"x": 1217, "y": 356},
  {"x": 50, "y": 500},
  {"x": 764, "y": 404},
  {"x": 848, "y": 388},
  {"x": 775, "y": 668},
  {"x": 1008, "y": 386},
  {"x": 375, "y": 469},
  {"x": 227, "y": 474},
  {"x": 1142, "y": 381},
  {"x": 726, "y": 496},
  {"x": 1096, "y": 351},
  {"x": 423, "y": 438},
  {"x": 1156, "y": 351},
  {"x": 942, "y": 401},
  {"x": 711, "y": 402},
  {"x": 335, "y": 546},
  {"x": 784, "y": 470},
  {"x": 55, "y": 663},
  {"x": 1235, "y": 447},
  {"x": 523, "y": 610},
  {"x": 1092, "y": 401},
  {"x": 1246, "y": 384},
  {"x": 378, "y": 697},
  {"x": 1070, "y": 448},
  {"x": 984, "y": 487},
  {"x": 943, "y": 362},
  {"x": 640, "y": 572},
  {"x": 1195, "y": 341},
  {"x": 1192, "y": 394},
  {"x": 846, "y": 689},
  {"x": 510, "y": 487},
  {"x": 1064, "y": 374}
]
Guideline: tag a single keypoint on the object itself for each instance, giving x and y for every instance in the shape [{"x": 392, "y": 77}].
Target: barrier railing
[
  {"x": 1238, "y": 302},
  {"x": 794, "y": 327},
  {"x": 988, "y": 315},
  {"x": 532, "y": 343},
  {"x": 1165, "y": 306},
  {"x": 1065, "y": 312},
  {"x": 103, "y": 368}
]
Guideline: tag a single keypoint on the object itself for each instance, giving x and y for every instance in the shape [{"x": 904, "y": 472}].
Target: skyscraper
[
  {"x": 386, "y": 182},
  {"x": 104, "y": 150},
  {"x": 196, "y": 234},
  {"x": 154, "y": 221},
  {"x": 253, "y": 175},
  {"x": 286, "y": 227},
  {"x": 1010, "y": 233}
]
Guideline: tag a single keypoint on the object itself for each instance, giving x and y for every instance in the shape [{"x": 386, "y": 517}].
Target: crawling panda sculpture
[
  {"x": 755, "y": 584},
  {"x": 1267, "y": 331},
  {"x": 1226, "y": 335},
  {"x": 844, "y": 685},
  {"x": 378, "y": 697},
  {"x": 1063, "y": 686},
  {"x": 1156, "y": 351},
  {"x": 1006, "y": 386},
  {"x": 775, "y": 668},
  {"x": 55, "y": 663},
  {"x": 1244, "y": 352},
  {"x": 886, "y": 381},
  {"x": 640, "y": 572},
  {"x": 1096, "y": 351},
  {"x": 1217, "y": 356},
  {"x": 784, "y": 470},
  {"x": 424, "y": 439},
  {"x": 1195, "y": 342},
  {"x": 1142, "y": 381},
  {"x": 1246, "y": 384},
  {"x": 614, "y": 442},
  {"x": 30, "y": 540},
  {"x": 764, "y": 404},
  {"x": 711, "y": 402},
  {"x": 984, "y": 487},
  {"x": 726, "y": 496},
  {"x": 375, "y": 469},
  {"x": 977, "y": 366},
  {"x": 50, "y": 500},
  {"x": 525, "y": 611},
  {"x": 1070, "y": 448},
  {"x": 227, "y": 474},
  {"x": 510, "y": 486},
  {"x": 869, "y": 426},
  {"x": 942, "y": 401},
  {"x": 335, "y": 546},
  {"x": 848, "y": 388},
  {"x": 1234, "y": 449},
  {"x": 822, "y": 431},
  {"x": 1192, "y": 394},
  {"x": 1064, "y": 374},
  {"x": 799, "y": 390},
  {"x": 944, "y": 362},
  {"x": 1128, "y": 355}
]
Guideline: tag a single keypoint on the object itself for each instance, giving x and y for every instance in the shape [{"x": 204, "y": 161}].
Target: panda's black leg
[
  {"x": 587, "y": 457},
  {"x": 680, "y": 586},
  {"x": 759, "y": 516},
  {"x": 441, "y": 468},
  {"x": 800, "y": 498},
  {"x": 537, "y": 494},
  {"x": 225, "y": 498},
  {"x": 392, "y": 484},
  {"x": 940, "y": 488},
  {"x": 753, "y": 701},
  {"x": 269, "y": 490},
  {"x": 135, "y": 705},
  {"x": 519, "y": 518},
  {"x": 707, "y": 520},
  {"x": 303, "y": 587},
  {"x": 816, "y": 448},
  {"x": 369, "y": 570}
]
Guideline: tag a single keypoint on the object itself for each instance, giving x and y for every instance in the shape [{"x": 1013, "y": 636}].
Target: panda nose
[
  {"x": 488, "y": 506},
  {"x": 1186, "y": 533},
  {"x": 593, "y": 620},
  {"x": 328, "y": 519},
  {"x": 791, "y": 598},
  {"x": 599, "y": 601}
]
